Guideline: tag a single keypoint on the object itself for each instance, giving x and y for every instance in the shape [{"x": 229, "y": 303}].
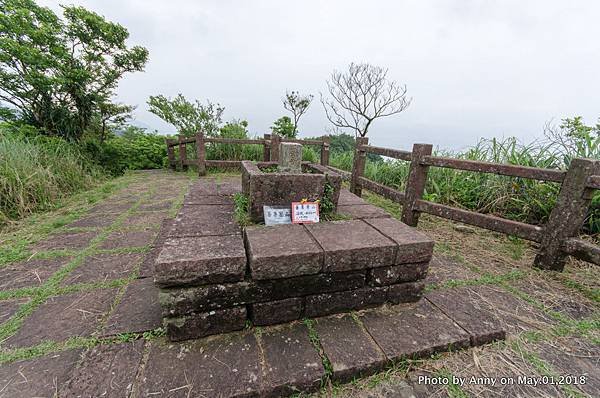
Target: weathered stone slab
[
  {"x": 32, "y": 273},
  {"x": 147, "y": 267},
  {"x": 351, "y": 351},
  {"x": 203, "y": 187},
  {"x": 383, "y": 276},
  {"x": 66, "y": 240},
  {"x": 200, "y": 260},
  {"x": 111, "y": 206},
  {"x": 105, "y": 371},
  {"x": 469, "y": 313},
  {"x": 413, "y": 330},
  {"x": 406, "y": 292},
  {"x": 155, "y": 206},
  {"x": 573, "y": 356},
  {"x": 413, "y": 246},
  {"x": 442, "y": 270},
  {"x": 331, "y": 303},
  {"x": 138, "y": 311},
  {"x": 290, "y": 157},
  {"x": 514, "y": 314},
  {"x": 208, "y": 200},
  {"x": 121, "y": 240},
  {"x": 274, "y": 312},
  {"x": 146, "y": 219},
  {"x": 292, "y": 363},
  {"x": 61, "y": 317},
  {"x": 351, "y": 245},
  {"x": 204, "y": 324},
  {"x": 282, "y": 251},
  {"x": 177, "y": 301},
  {"x": 219, "y": 366},
  {"x": 104, "y": 267},
  {"x": 229, "y": 186},
  {"x": 361, "y": 211},
  {"x": 205, "y": 220},
  {"x": 348, "y": 198},
  {"x": 10, "y": 307},
  {"x": 95, "y": 221},
  {"x": 38, "y": 377}
]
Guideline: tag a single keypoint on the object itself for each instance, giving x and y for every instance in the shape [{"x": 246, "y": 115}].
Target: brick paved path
[{"x": 80, "y": 317}]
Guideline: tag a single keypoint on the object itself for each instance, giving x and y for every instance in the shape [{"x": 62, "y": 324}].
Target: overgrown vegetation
[
  {"x": 518, "y": 199},
  {"x": 241, "y": 209}
]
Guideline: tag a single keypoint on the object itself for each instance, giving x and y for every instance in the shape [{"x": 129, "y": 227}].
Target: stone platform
[{"x": 214, "y": 277}]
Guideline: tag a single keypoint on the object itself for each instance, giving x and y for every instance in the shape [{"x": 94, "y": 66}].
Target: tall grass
[
  {"x": 35, "y": 173},
  {"x": 519, "y": 199}
]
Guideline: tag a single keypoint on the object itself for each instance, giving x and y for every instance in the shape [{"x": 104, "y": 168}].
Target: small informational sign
[
  {"x": 275, "y": 215},
  {"x": 305, "y": 212}
]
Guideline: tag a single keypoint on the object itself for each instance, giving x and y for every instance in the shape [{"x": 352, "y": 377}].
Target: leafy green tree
[
  {"x": 297, "y": 104},
  {"x": 234, "y": 129},
  {"x": 284, "y": 127},
  {"x": 56, "y": 73},
  {"x": 188, "y": 117}
]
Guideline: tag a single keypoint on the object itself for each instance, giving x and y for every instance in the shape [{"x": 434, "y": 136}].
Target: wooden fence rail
[
  {"x": 557, "y": 238},
  {"x": 270, "y": 143}
]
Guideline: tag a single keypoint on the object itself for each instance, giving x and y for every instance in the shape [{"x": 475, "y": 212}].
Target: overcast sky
[{"x": 474, "y": 68}]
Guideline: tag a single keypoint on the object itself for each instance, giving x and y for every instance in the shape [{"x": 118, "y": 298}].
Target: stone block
[
  {"x": 348, "y": 198},
  {"x": 291, "y": 362},
  {"x": 470, "y": 313},
  {"x": 138, "y": 310},
  {"x": 415, "y": 330},
  {"x": 352, "y": 245},
  {"x": 282, "y": 251},
  {"x": 290, "y": 157},
  {"x": 31, "y": 273},
  {"x": 219, "y": 366},
  {"x": 204, "y": 324},
  {"x": 122, "y": 240},
  {"x": 407, "y": 292},
  {"x": 66, "y": 241},
  {"x": 383, "y": 276},
  {"x": 104, "y": 267},
  {"x": 331, "y": 303},
  {"x": 108, "y": 370},
  {"x": 200, "y": 260},
  {"x": 273, "y": 312},
  {"x": 178, "y": 301},
  {"x": 205, "y": 220},
  {"x": 413, "y": 245},
  {"x": 37, "y": 377},
  {"x": 349, "y": 348},
  {"x": 357, "y": 212}
]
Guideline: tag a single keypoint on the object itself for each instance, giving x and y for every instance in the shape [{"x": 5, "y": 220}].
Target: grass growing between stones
[
  {"x": 34, "y": 231},
  {"x": 241, "y": 209}
]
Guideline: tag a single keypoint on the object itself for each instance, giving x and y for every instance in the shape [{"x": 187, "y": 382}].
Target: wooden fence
[
  {"x": 270, "y": 144},
  {"x": 557, "y": 239}
]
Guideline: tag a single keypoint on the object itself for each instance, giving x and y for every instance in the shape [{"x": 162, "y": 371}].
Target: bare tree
[
  {"x": 361, "y": 95},
  {"x": 297, "y": 104}
]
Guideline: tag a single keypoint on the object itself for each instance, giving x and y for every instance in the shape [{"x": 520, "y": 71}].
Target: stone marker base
[{"x": 215, "y": 280}]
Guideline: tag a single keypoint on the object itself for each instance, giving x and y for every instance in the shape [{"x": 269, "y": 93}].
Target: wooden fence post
[
  {"x": 171, "y": 154},
  {"x": 275, "y": 141},
  {"x": 358, "y": 165},
  {"x": 267, "y": 148},
  {"x": 201, "y": 154},
  {"x": 325, "y": 150},
  {"x": 182, "y": 154},
  {"x": 568, "y": 214},
  {"x": 415, "y": 184}
]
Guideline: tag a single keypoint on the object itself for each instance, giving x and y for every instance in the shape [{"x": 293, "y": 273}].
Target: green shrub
[
  {"x": 37, "y": 171},
  {"x": 134, "y": 150}
]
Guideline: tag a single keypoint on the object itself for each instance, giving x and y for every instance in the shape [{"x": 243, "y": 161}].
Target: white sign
[
  {"x": 305, "y": 213},
  {"x": 275, "y": 215}
]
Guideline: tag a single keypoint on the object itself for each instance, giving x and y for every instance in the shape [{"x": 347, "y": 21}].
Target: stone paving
[{"x": 80, "y": 317}]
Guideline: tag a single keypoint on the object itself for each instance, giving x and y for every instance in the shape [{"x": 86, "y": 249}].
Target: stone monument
[{"x": 290, "y": 155}]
